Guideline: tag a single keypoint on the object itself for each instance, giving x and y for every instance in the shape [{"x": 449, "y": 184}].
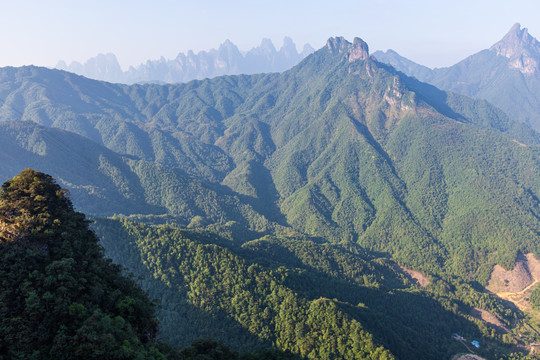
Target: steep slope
[
  {"x": 60, "y": 297},
  {"x": 319, "y": 300},
  {"x": 340, "y": 146},
  {"x": 355, "y": 158},
  {"x": 104, "y": 182},
  {"x": 507, "y": 74}
]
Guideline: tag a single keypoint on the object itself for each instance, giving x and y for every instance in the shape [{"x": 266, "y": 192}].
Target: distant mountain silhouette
[{"x": 226, "y": 60}]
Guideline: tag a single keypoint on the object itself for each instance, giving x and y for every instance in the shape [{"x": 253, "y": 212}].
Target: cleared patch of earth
[
  {"x": 516, "y": 285},
  {"x": 415, "y": 276},
  {"x": 467, "y": 357},
  {"x": 489, "y": 318},
  {"x": 519, "y": 143},
  {"x": 525, "y": 271}
]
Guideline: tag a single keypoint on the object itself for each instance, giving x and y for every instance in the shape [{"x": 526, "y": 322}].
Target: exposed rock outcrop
[
  {"x": 358, "y": 50},
  {"x": 522, "y": 49}
]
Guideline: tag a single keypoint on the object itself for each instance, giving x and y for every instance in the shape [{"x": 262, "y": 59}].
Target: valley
[{"x": 336, "y": 210}]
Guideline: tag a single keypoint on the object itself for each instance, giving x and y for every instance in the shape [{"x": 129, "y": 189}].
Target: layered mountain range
[
  {"x": 507, "y": 74},
  {"x": 341, "y": 149},
  {"x": 226, "y": 60}
]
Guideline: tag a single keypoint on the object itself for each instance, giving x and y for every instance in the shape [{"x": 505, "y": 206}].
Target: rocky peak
[
  {"x": 308, "y": 49},
  {"x": 227, "y": 44},
  {"x": 267, "y": 46},
  {"x": 228, "y": 48},
  {"x": 358, "y": 50},
  {"x": 521, "y": 48},
  {"x": 288, "y": 43}
]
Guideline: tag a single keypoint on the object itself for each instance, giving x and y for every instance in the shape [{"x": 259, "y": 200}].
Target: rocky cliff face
[
  {"x": 520, "y": 48},
  {"x": 358, "y": 50}
]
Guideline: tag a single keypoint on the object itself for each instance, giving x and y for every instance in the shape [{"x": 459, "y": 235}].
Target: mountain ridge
[
  {"x": 334, "y": 147},
  {"x": 507, "y": 74},
  {"x": 520, "y": 48},
  {"x": 268, "y": 173},
  {"x": 227, "y": 59}
]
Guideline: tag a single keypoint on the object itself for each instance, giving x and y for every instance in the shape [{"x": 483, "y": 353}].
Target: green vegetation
[
  {"x": 60, "y": 297},
  {"x": 292, "y": 292},
  {"x": 535, "y": 298},
  {"x": 299, "y": 190},
  {"x": 351, "y": 152}
]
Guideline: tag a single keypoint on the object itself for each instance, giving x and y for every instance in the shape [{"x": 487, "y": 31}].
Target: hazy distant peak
[
  {"x": 229, "y": 47},
  {"x": 267, "y": 46},
  {"x": 308, "y": 49},
  {"x": 287, "y": 41},
  {"x": 521, "y": 48},
  {"x": 288, "y": 45},
  {"x": 100, "y": 67},
  {"x": 406, "y": 66},
  {"x": 225, "y": 60},
  {"x": 228, "y": 44},
  {"x": 61, "y": 64},
  {"x": 358, "y": 50}
]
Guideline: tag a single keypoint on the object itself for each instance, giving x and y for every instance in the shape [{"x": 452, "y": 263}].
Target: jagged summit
[
  {"x": 521, "y": 48},
  {"x": 358, "y": 50},
  {"x": 225, "y": 60}
]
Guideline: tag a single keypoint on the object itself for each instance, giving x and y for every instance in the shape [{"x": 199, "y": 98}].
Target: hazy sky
[{"x": 435, "y": 33}]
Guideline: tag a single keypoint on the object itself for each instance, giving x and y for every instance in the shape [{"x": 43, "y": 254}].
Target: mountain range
[
  {"x": 226, "y": 60},
  {"x": 339, "y": 147},
  {"x": 264, "y": 178},
  {"x": 507, "y": 74}
]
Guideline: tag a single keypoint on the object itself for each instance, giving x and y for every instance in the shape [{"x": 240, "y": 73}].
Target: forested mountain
[
  {"x": 319, "y": 300},
  {"x": 60, "y": 297},
  {"x": 340, "y": 149},
  {"x": 507, "y": 74},
  {"x": 226, "y": 60}
]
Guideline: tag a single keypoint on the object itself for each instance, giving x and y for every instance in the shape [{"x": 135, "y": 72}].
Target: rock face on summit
[
  {"x": 507, "y": 75},
  {"x": 358, "y": 50},
  {"x": 521, "y": 48}
]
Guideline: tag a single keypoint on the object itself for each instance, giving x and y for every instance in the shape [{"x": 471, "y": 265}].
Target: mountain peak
[
  {"x": 521, "y": 48},
  {"x": 358, "y": 50}
]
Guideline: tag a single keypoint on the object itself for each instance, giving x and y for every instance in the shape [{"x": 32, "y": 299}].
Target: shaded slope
[
  {"x": 292, "y": 293},
  {"x": 104, "y": 182},
  {"x": 340, "y": 146},
  {"x": 59, "y": 294}
]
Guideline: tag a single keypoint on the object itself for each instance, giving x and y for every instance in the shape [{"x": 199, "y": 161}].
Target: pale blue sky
[{"x": 434, "y": 33}]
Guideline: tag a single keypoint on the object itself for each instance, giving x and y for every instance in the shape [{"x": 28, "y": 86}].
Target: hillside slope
[
  {"x": 60, "y": 297},
  {"x": 507, "y": 74},
  {"x": 340, "y": 146},
  {"x": 319, "y": 300}
]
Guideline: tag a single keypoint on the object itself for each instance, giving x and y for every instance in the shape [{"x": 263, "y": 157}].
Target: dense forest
[
  {"x": 62, "y": 299},
  {"x": 346, "y": 149},
  {"x": 292, "y": 292},
  {"x": 269, "y": 216}
]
